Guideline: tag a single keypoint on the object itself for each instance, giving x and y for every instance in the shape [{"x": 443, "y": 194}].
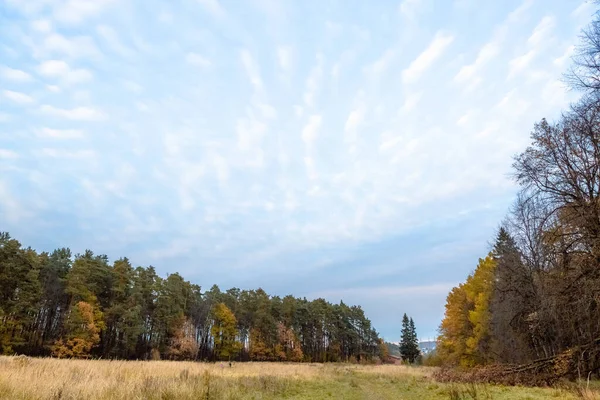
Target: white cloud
[
  {"x": 311, "y": 170},
  {"x": 111, "y": 38},
  {"x": 427, "y": 57},
  {"x": 382, "y": 64},
  {"x": 485, "y": 55},
  {"x": 563, "y": 60},
  {"x": 79, "y": 75},
  {"x": 78, "y": 11},
  {"x": 13, "y": 210},
  {"x": 8, "y": 154},
  {"x": 520, "y": 63},
  {"x": 584, "y": 11},
  {"x": 59, "y": 133},
  {"x": 197, "y": 60},
  {"x": 63, "y": 153},
  {"x": 60, "y": 69},
  {"x": 311, "y": 130},
  {"x": 76, "y": 114},
  {"x": 517, "y": 14},
  {"x": 355, "y": 118},
  {"x": 409, "y": 8},
  {"x": 410, "y": 102},
  {"x": 466, "y": 118},
  {"x": 250, "y": 133},
  {"x": 42, "y": 25},
  {"x": 251, "y": 69},
  {"x": 18, "y": 97},
  {"x": 542, "y": 31},
  {"x": 284, "y": 57},
  {"x": 213, "y": 7},
  {"x": 388, "y": 141},
  {"x": 54, "y": 68},
  {"x": 73, "y": 47},
  {"x": 15, "y": 75},
  {"x": 313, "y": 81}
]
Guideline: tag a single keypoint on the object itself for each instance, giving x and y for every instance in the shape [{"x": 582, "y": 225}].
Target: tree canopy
[{"x": 84, "y": 306}]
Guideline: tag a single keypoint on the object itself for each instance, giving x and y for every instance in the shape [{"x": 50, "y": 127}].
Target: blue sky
[{"x": 341, "y": 149}]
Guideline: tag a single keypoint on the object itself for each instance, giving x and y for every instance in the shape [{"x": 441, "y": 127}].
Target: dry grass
[{"x": 27, "y": 379}]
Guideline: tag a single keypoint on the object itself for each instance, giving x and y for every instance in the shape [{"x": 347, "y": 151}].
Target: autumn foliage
[{"x": 85, "y": 307}]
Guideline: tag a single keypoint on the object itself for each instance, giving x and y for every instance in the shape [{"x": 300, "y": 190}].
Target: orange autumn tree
[
  {"x": 183, "y": 345},
  {"x": 87, "y": 283},
  {"x": 465, "y": 330},
  {"x": 288, "y": 348},
  {"x": 84, "y": 333}
]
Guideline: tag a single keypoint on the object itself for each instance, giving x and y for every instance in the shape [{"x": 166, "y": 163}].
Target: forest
[
  {"x": 82, "y": 306},
  {"x": 534, "y": 300}
]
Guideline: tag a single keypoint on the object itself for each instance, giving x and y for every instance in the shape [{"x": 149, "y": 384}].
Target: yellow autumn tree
[
  {"x": 83, "y": 333},
  {"x": 465, "y": 330},
  {"x": 224, "y": 332}
]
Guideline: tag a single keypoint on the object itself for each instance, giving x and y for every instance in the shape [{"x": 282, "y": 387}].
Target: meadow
[{"x": 46, "y": 378}]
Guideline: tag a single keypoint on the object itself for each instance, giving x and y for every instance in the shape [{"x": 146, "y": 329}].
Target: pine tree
[
  {"x": 409, "y": 345},
  {"x": 414, "y": 340}
]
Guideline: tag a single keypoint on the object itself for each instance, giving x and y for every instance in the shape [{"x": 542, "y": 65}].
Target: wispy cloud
[
  {"x": 542, "y": 30},
  {"x": 8, "y": 154},
  {"x": 313, "y": 81},
  {"x": 213, "y": 7},
  {"x": 251, "y": 69},
  {"x": 197, "y": 60},
  {"x": 61, "y": 70},
  {"x": 15, "y": 75},
  {"x": 18, "y": 97},
  {"x": 424, "y": 61},
  {"x": 77, "y": 113},
  {"x": 59, "y": 133}
]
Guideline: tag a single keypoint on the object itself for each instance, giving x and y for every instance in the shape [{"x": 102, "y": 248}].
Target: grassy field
[{"x": 30, "y": 378}]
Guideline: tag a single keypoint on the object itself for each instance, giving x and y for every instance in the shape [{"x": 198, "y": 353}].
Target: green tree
[{"x": 409, "y": 345}]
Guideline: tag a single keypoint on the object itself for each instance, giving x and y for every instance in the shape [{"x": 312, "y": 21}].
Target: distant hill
[{"x": 427, "y": 347}]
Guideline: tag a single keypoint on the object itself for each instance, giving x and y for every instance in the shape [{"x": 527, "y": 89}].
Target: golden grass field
[{"x": 45, "y": 378}]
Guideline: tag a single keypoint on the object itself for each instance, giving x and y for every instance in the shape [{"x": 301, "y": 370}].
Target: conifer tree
[{"x": 409, "y": 346}]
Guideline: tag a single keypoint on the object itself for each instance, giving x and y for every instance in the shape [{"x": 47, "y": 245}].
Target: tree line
[
  {"x": 57, "y": 304},
  {"x": 536, "y": 295}
]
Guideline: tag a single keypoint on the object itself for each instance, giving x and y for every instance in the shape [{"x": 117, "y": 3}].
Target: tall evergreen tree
[{"x": 409, "y": 345}]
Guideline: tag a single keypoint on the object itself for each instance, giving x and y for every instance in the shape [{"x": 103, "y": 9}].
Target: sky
[{"x": 344, "y": 149}]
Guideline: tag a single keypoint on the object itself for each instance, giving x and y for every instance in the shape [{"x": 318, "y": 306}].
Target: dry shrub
[
  {"x": 21, "y": 361},
  {"x": 155, "y": 354}
]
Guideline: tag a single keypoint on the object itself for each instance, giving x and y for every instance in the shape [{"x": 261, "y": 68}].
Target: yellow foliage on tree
[
  {"x": 224, "y": 332},
  {"x": 84, "y": 325},
  {"x": 465, "y": 330},
  {"x": 384, "y": 352}
]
